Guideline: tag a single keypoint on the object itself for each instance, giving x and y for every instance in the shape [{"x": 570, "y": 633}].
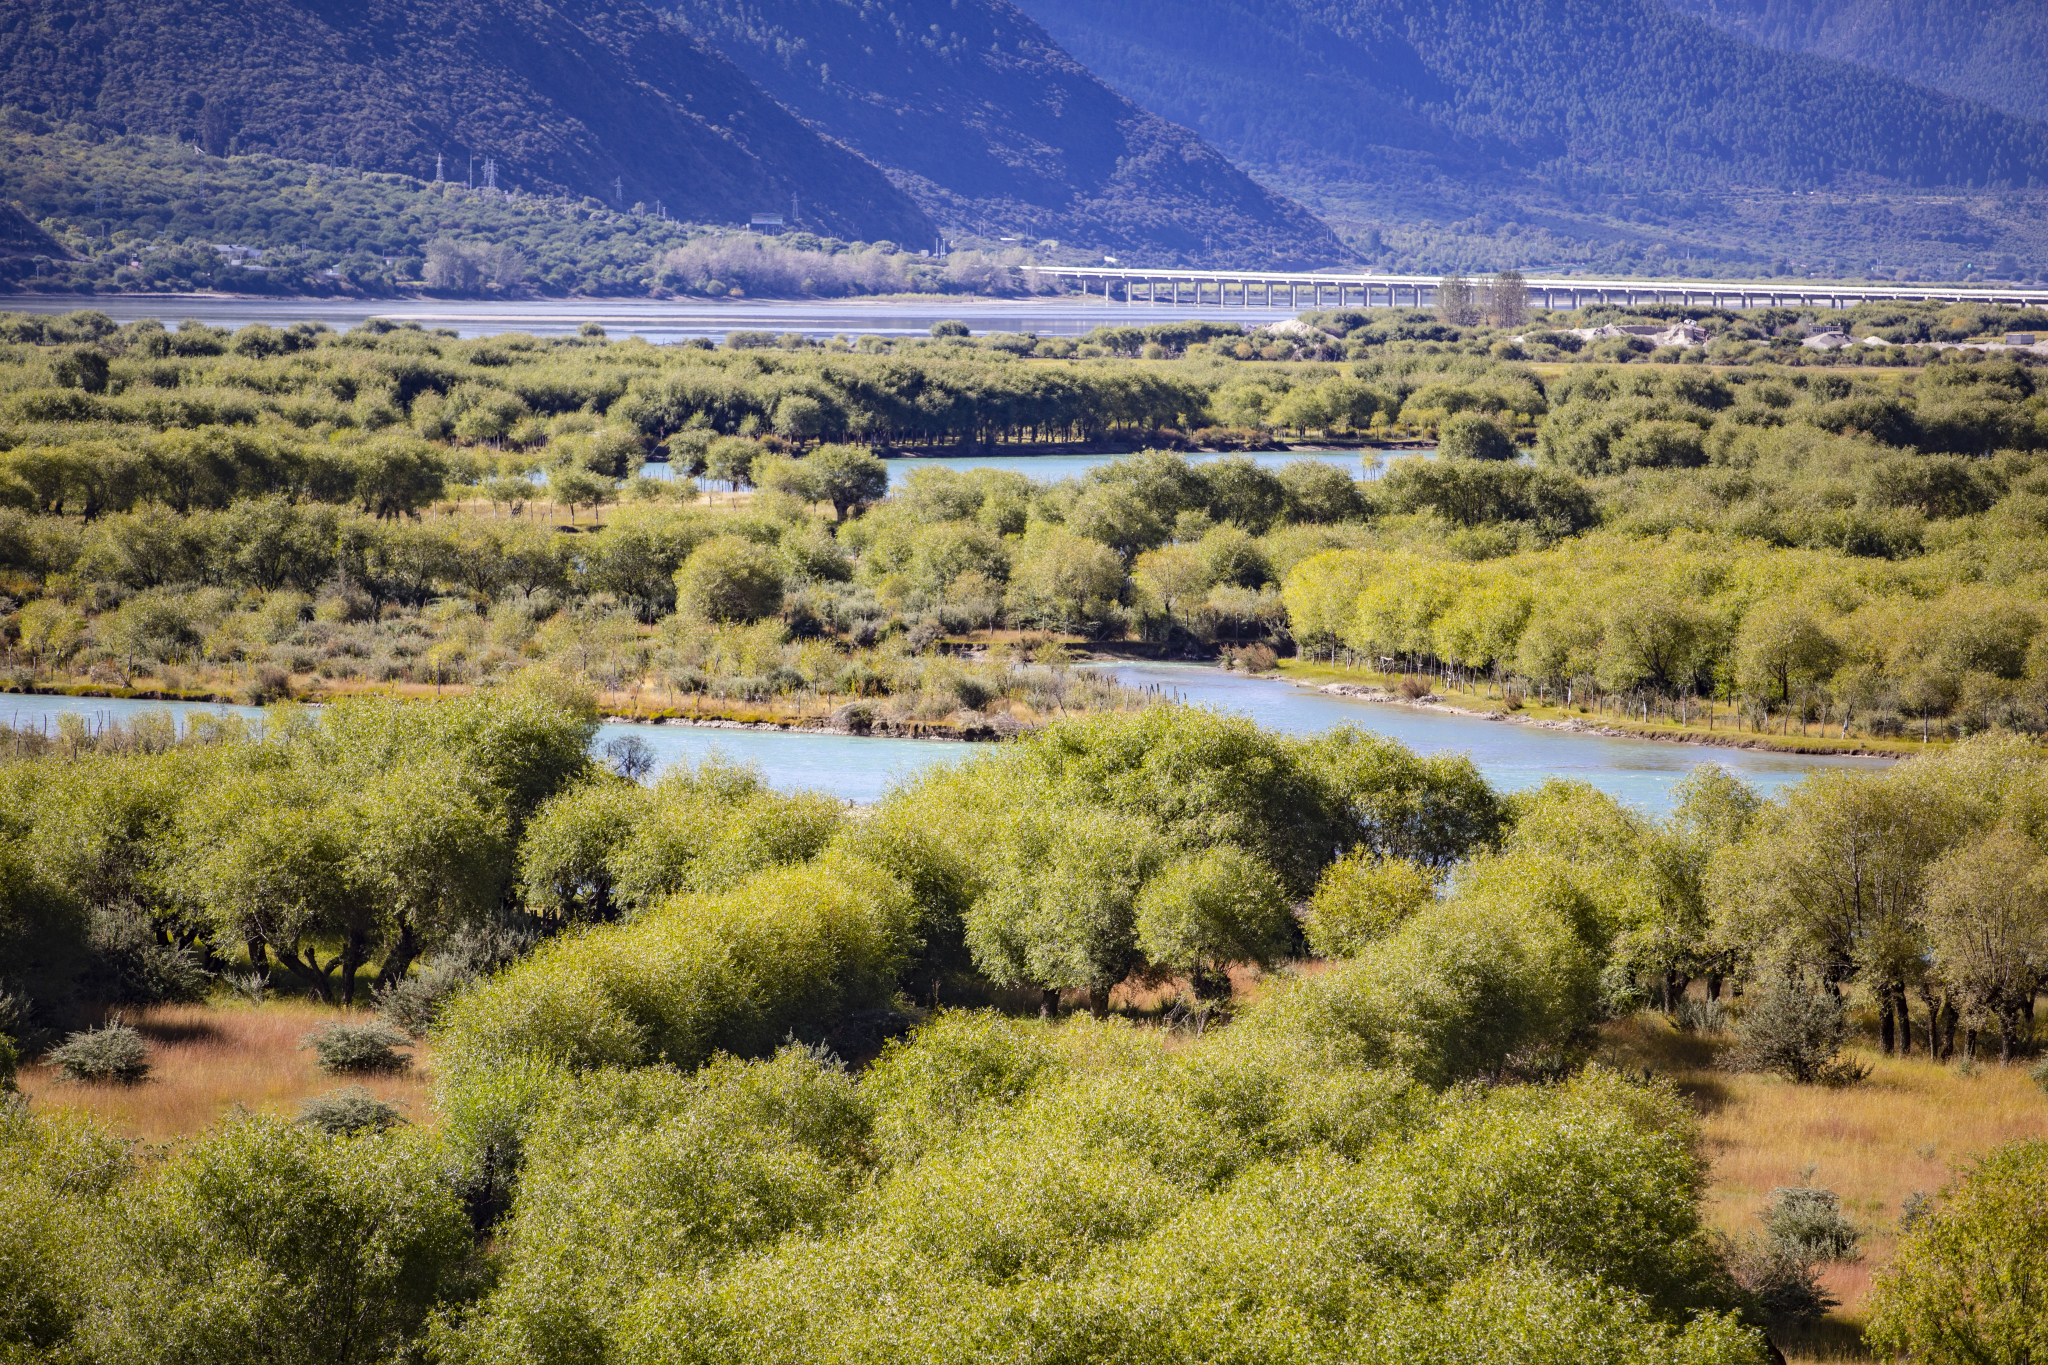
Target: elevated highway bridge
[{"x": 1292, "y": 291}]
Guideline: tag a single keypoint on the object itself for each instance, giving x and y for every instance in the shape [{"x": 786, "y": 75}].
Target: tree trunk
[
  {"x": 351, "y": 960},
  {"x": 1901, "y": 1008},
  {"x": 399, "y": 960},
  {"x": 259, "y": 957},
  {"x": 1886, "y": 1001}
]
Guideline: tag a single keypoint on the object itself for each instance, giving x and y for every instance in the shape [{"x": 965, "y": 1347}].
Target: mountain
[
  {"x": 1994, "y": 51},
  {"x": 996, "y": 131},
  {"x": 1603, "y": 130},
  {"x": 594, "y": 97}
]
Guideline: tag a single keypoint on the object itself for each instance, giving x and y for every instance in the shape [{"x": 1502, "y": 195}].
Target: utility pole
[
  {"x": 490, "y": 173},
  {"x": 618, "y": 192},
  {"x": 792, "y": 208},
  {"x": 437, "y": 168}
]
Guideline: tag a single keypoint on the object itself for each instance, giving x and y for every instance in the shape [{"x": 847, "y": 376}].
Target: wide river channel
[{"x": 1641, "y": 773}]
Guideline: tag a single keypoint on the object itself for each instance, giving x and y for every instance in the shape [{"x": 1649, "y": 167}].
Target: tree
[
  {"x": 849, "y": 477},
  {"x": 573, "y": 486},
  {"x": 1779, "y": 643},
  {"x": 1474, "y": 436},
  {"x": 730, "y": 461},
  {"x": 1204, "y": 911},
  {"x": 1507, "y": 299},
  {"x": 1176, "y": 575},
  {"x": 1457, "y": 302},
  {"x": 729, "y": 578},
  {"x": 1987, "y": 929}
]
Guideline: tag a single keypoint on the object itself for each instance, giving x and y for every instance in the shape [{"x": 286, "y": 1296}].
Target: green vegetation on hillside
[
  {"x": 1621, "y": 137},
  {"x": 579, "y": 97},
  {"x": 1991, "y": 52},
  {"x": 145, "y": 213},
  {"x": 1000, "y": 135}
]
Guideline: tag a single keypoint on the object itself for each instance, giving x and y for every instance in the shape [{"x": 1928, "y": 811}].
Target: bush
[
  {"x": 413, "y": 1003},
  {"x": 344, "y": 1113},
  {"x": 113, "y": 1053},
  {"x": 1795, "y": 1034},
  {"x": 788, "y": 950},
  {"x": 265, "y": 1242},
  {"x": 1454, "y": 993},
  {"x": 1810, "y": 1222},
  {"x": 2040, "y": 1074},
  {"x": 1966, "y": 1282},
  {"x": 1700, "y": 1016},
  {"x": 10, "y": 1062},
  {"x": 1780, "y": 1282},
  {"x": 359, "y": 1049}
]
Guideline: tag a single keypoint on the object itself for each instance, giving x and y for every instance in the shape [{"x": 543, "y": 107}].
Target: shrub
[
  {"x": 789, "y": 949},
  {"x": 1811, "y": 1223},
  {"x": 344, "y": 1113},
  {"x": 413, "y": 1003},
  {"x": 358, "y": 1049},
  {"x": 1966, "y": 1283},
  {"x": 1700, "y": 1016},
  {"x": 1795, "y": 1034},
  {"x": 1780, "y": 1282},
  {"x": 2040, "y": 1073},
  {"x": 113, "y": 1053},
  {"x": 266, "y": 1242},
  {"x": 1454, "y": 993}
]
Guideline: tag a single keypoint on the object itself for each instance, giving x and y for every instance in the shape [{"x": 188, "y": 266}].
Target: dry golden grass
[
  {"x": 207, "y": 1059},
  {"x": 1907, "y": 1128}
]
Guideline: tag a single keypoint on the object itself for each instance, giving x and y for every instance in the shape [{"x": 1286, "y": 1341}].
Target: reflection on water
[
  {"x": 1512, "y": 757},
  {"x": 657, "y": 320}
]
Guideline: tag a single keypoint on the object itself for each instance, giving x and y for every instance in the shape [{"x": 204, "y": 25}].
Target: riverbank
[{"x": 1722, "y": 730}]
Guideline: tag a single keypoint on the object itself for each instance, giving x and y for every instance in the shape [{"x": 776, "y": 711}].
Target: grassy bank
[{"x": 1705, "y": 723}]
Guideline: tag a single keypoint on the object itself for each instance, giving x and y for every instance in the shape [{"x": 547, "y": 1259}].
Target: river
[
  {"x": 657, "y": 320},
  {"x": 1641, "y": 773}
]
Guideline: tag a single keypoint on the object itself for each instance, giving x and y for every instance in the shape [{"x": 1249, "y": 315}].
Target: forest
[{"x": 1145, "y": 1031}]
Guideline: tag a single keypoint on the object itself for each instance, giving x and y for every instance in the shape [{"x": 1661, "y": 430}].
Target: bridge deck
[{"x": 1286, "y": 289}]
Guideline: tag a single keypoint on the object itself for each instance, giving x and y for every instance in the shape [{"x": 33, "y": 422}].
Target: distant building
[
  {"x": 2019, "y": 338},
  {"x": 766, "y": 222}
]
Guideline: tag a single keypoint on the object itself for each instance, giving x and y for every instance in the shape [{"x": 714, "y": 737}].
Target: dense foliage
[
  {"x": 243, "y": 510},
  {"x": 649, "y": 1147}
]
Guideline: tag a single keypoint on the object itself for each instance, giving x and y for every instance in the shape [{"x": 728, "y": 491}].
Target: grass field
[
  {"x": 1910, "y": 1127},
  {"x": 205, "y": 1060}
]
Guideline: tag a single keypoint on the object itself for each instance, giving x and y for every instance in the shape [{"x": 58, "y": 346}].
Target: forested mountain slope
[
  {"x": 997, "y": 131},
  {"x": 1432, "y": 109},
  {"x": 597, "y": 97},
  {"x": 1995, "y": 51}
]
